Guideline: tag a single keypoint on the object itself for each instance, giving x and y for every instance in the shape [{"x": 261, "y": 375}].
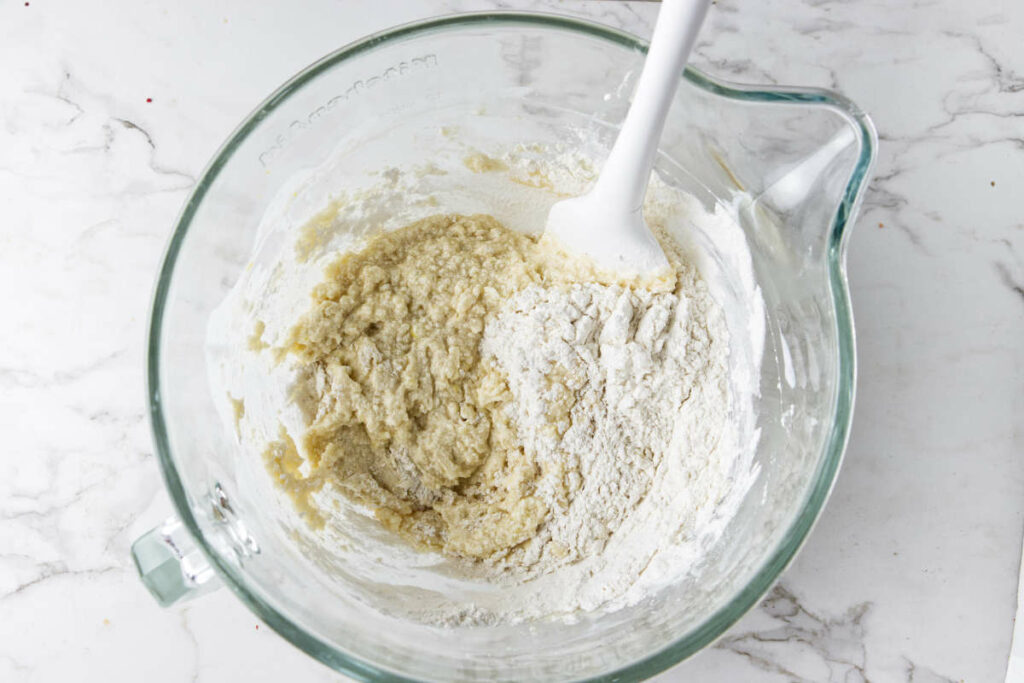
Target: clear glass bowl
[{"x": 792, "y": 161}]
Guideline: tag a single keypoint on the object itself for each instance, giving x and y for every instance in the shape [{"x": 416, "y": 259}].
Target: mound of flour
[{"x": 616, "y": 390}]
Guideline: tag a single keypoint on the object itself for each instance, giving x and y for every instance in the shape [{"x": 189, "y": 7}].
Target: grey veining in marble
[{"x": 911, "y": 574}]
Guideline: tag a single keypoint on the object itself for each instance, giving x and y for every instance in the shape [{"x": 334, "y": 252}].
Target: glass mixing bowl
[{"x": 791, "y": 162}]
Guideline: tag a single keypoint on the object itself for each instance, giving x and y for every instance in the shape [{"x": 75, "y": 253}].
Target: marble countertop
[{"x": 110, "y": 111}]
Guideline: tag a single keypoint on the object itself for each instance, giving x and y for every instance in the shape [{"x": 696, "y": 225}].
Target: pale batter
[
  {"x": 407, "y": 417},
  {"x": 459, "y": 406}
]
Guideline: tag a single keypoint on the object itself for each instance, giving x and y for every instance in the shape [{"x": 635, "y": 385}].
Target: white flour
[
  {"x": 656, "y": 445},
  {"x": 628, "y": 361},
  {"x": 646, "y": 377}
]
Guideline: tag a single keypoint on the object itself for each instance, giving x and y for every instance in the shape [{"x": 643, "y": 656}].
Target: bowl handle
[{"x": 171, "y": 565}]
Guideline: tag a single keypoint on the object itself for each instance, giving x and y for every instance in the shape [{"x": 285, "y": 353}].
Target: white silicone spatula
[{"x": 607, "y": 223}]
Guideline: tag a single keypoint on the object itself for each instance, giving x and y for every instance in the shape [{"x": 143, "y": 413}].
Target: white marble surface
[{"x": 911, "y": 574}]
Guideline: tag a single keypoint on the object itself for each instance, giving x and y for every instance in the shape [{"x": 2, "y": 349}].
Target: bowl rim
[{"x": 824, "y": 478}]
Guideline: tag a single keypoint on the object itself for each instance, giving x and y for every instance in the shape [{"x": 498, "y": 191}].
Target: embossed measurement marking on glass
[{"x": 358, "y": 87}]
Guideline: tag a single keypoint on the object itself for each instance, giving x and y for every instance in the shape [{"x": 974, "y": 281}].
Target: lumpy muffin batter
[
  {"x": 407, "y": 417},
  {"x": 451, "y": 404}
]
